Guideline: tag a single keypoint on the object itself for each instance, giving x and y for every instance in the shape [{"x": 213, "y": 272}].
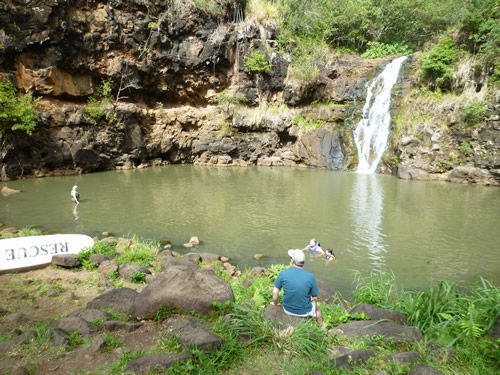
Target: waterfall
[{"x": 373, "y": 129}]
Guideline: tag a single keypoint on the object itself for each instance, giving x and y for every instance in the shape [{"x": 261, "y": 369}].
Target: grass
[{"x": 141, "y": 252}]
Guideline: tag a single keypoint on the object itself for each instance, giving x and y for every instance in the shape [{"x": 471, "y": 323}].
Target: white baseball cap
[{"x": 297, "y": 255}]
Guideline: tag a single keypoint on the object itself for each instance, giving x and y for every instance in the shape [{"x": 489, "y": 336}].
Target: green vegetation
[
  {"x": 353, "y": 24},
  {"x": 379, "y": 49},
  {"x": 473, "y": 113},
  {"x": 95, "y": 106},
  {"x": 466, "y": 148},
  {"x": 437, "y": 63},
  {"x": 138, "y": 277},
  {"x": 226, "y": 98},
  {"x": 140, "y": 252},
  {"x": 308, "y": 57},
  {"x": 257, "y": 63},
  {"x": 307, "y": 123},
  {"x": 111, "y": 342},
  {"x": 17, "y": 113},
  {"x": 100, "y": 247}
]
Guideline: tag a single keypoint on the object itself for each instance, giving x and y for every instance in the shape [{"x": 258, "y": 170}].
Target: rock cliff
[{"x": 167, "y": 65}]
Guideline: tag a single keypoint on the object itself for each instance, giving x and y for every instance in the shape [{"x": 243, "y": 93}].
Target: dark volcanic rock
[
  {"x": 424, "y": 370},
  {"x": 191, "y": 333},
  {"x": 66, "y": 260},
  {"x": 403, "y": 357},
  {"x": 184, "y": 288},
  {"x": 361, "y": 328},
  {"x": 377, "y": 313},
  {"x": 276, "y": 315},
  {"x": 118, "y": 299},
  {"x": 151, "y": 362},
  {"x": 353, "y": 358},
  {"x": 75, "y": 324}
]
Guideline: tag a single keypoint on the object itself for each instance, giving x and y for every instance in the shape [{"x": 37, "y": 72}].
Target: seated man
[{"x": 299, "y": 289}]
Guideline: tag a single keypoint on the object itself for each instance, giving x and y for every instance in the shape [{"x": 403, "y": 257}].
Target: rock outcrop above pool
[{"x": 168, "y": 68}]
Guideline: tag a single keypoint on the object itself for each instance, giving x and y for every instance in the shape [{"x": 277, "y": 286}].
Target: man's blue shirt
[{"x": 298, "y": 287}]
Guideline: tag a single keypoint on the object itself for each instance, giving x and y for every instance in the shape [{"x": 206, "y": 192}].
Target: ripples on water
[{"x": 422, "y": 231}]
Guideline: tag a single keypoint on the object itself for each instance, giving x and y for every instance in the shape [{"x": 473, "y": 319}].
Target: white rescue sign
[{"x": 24, "y": 252}]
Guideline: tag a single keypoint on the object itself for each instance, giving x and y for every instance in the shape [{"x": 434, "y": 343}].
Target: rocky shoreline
[{"x": 178, "y": 299}]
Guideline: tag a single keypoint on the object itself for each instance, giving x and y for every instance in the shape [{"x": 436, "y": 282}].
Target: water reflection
[{"x": 367, "y": 202}]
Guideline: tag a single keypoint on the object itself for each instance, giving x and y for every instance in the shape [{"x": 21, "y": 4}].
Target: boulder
[
  {"x": 99, "y": 258},
  {"x": 151, "y": 362},
  {"x": 66, "y": 260},
  {"x": 115, "y": 325},
  {"x": 321, "y": 148},
  {"x": 377, "y": 313},
  {"x": 92, "y": 315},
  {"x": 20, "y": 371},
  {"x": 408, "y": 173},
  {"x": 117, "y": 299},
  {"x": 327, "y": 293},
  {"x": 6, "y": 346},
  {"x": 353, "y": 358},
  {"x": 361, "y": 328},
  {"x": 107, "y": 267},
  {"x": 168, "y": 262},
  {"x": 281, "y": 319},
  {"x": 8, "y": 191},
  {"x": 192, "y": 333},
  {"x": 260, "y": 270},
  {"x": 184, "y": 288},
  {"x": 193, "y": 257},
  {"x": 76, "y": 324},
  {"x": 209, "y": 258},
  {"x": 10, "y": 230},
  {"x": 15, "y": 318},
  {"x": 127, "y": 270},
  {"x": 403, "y": 357},
  {"x": 424, "y": 370},
  {"x": 58, "y": 337}
]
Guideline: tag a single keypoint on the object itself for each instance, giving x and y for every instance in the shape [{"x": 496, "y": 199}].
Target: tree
[{"x": 17, "y": 112}]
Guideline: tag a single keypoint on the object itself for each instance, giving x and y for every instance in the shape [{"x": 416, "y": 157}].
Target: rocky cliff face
[{"x": 166, "y": 62}]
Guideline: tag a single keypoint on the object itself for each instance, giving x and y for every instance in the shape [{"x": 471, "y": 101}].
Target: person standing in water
[{"x": 75, "y": 195}]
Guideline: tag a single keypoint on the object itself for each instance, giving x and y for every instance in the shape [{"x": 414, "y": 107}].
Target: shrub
[
  {"x": 100, "y": 247},
  {"x": 138, "y": 277},
  {"x": 17, "y": 112},
  {"x": 141, "y": 253},
  {"x": 378, "y": 49},
  {"x": 436, "y": 63},
  {"x": 257, "y": 63},
  {"x": 308, "y": 56},
  {"x": 466, "y": 148},
  {"x": 473, "y": 113},
  {"x": 374, "y": 289},
  {"x": 95, "y": 106}
]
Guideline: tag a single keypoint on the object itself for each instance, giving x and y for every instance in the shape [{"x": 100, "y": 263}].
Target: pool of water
[{"x": 422, "y": 231}]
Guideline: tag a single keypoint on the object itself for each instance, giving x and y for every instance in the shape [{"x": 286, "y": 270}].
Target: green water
[{"x": 422, "y": 231}]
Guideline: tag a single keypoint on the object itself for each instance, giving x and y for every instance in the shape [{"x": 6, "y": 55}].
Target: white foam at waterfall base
[{"x": 373, "y": 129}]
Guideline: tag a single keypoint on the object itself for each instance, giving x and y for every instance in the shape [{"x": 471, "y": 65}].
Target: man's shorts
[{"x": 311, "y": 313}]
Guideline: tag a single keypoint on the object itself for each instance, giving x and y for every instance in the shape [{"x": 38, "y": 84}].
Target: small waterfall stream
[{"x": 373, "y": 129}]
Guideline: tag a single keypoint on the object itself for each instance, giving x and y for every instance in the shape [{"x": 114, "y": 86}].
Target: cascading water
[{"x": 373, "y": 129}]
